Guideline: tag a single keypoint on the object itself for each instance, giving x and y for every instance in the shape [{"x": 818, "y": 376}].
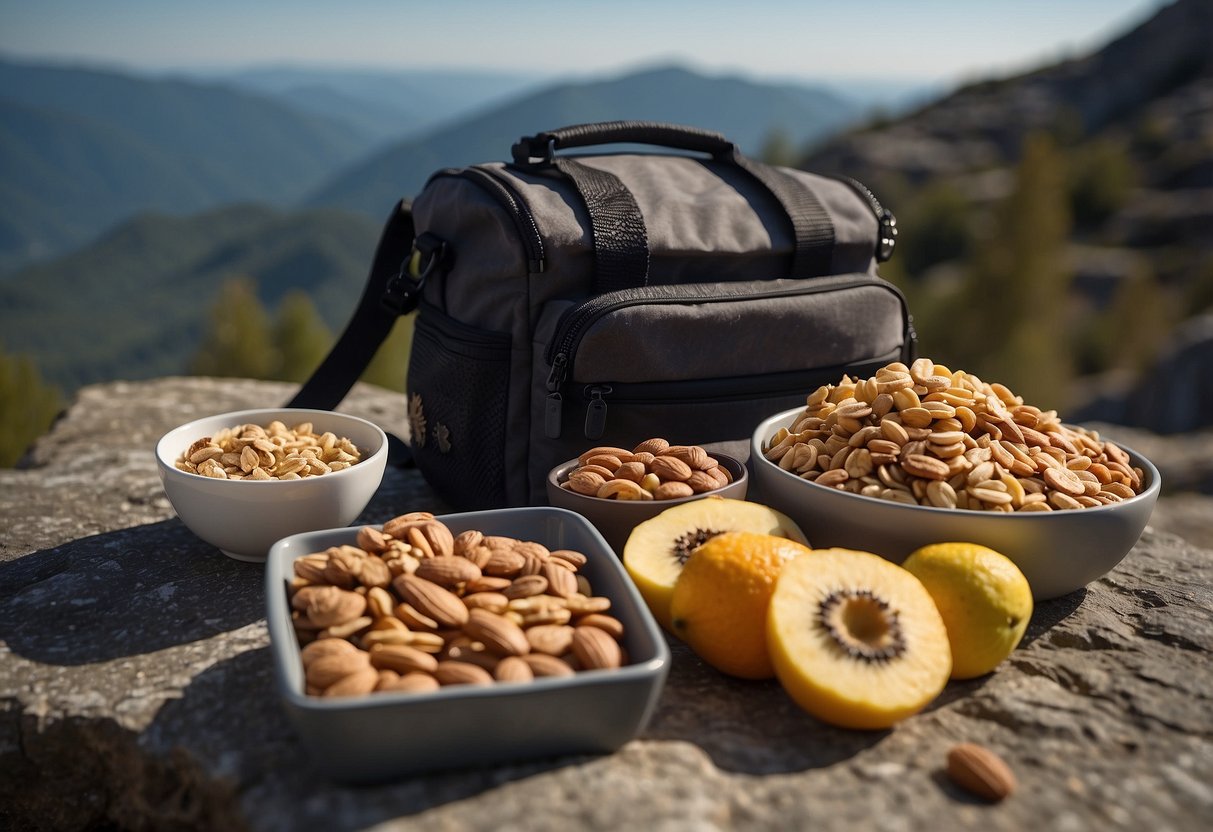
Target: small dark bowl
[{"x": 615, "y": 519}]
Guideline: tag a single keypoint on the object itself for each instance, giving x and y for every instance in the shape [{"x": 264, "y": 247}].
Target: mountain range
[
  {"x": 82, "y": 149},
  {"x": 745, "y": 111},
  {"x": 131, "y": 302}
]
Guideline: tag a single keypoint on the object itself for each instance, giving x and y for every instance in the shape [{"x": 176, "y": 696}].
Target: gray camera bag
[{"x": 566, "y": 301}]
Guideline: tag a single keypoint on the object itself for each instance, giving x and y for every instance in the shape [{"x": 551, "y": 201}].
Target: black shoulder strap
[{"x": 388, "y": 294}]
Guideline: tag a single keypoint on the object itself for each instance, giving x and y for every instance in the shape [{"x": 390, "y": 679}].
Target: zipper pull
[
  {"x": 596, "y": 412},
  {"x": 554, "y": 409}
]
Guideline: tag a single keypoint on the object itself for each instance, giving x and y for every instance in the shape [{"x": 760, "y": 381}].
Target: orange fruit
[{"x": 719, "y": 604}]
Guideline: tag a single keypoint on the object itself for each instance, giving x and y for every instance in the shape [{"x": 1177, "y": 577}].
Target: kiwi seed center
[
  {"x": 690, "y": 541},
  {"x": 862, "y": 625}
]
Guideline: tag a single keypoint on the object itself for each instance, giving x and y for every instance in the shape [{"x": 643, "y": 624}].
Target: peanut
[{"x": 926, "y": 435}]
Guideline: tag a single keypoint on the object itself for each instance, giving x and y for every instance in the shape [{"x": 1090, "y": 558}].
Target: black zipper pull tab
[
  {"x": 596, "y": 412},
  {"x": 554, "y": 409}
]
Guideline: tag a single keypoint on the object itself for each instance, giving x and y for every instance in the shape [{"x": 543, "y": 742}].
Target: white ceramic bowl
[
  {"x": 1058, "y": 552},
  {"x": 244, "y": 518},
  {"x": 386, "y": 736}
]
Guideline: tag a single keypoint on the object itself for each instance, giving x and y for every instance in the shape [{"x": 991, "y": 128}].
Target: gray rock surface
[{"x": 136, "y": 689}]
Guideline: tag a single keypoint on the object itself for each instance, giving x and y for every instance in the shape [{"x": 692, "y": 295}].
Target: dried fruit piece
[{"x": 855, "y": 639}]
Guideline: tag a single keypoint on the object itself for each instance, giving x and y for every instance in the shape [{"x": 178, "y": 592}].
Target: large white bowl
[
  {"x": 1058, "y": 552},
  {"x": 244, "y": 518}
]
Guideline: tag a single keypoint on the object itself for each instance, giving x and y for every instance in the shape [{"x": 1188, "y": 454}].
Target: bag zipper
[
  {"x": 524, "y": 221},
  {"x": 888, "y": 222},
  {"x": 574, "y": 323},
  {"x": 708, "y": 391}
]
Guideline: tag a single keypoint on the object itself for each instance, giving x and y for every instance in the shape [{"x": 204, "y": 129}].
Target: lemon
[
  {"x": 984, "y": 599},
  {"x": 720, "y": 600}
]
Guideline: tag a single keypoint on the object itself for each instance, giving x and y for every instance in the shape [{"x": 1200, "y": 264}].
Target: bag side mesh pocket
[{"x": 458, "y": 380}]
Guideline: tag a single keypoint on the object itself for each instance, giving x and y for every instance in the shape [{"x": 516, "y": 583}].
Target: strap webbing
[
  {"x": 371, "y": 322},
  {"x": 621, "y": 242},
  {"x": 812, "y": 228}
]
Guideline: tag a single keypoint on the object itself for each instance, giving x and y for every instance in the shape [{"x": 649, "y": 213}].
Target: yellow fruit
[
  {"x": 856, "y": 640},
  {"x": 658, "y": 548},
  {"x": 984, "y": 599},
  {"x": 719, "y": 604}
]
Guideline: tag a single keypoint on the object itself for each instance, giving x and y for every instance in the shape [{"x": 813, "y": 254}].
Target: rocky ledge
[{"x": 136, "y": 688}]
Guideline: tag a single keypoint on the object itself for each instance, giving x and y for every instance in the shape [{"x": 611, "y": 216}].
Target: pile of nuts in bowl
[
  {"x": 414, "y": 608},
  {"x": 925, "y": 435},
  {"x": 273, "y": 452},
  {"x": 653, "y": 470}
]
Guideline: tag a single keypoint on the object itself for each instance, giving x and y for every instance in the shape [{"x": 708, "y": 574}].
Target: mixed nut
[
  {"x": 273, "y": 452},
  {"x": 414, "y": 607},
  {"x": 926, "y": 435},
  {"x": 653, "y": 470}
]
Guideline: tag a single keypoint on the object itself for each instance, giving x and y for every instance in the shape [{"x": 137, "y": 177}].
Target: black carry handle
[
  {"x": 392, "y": 289},
  {"x": 621, "y": 249},
  {"x": 676, "y": 136}
]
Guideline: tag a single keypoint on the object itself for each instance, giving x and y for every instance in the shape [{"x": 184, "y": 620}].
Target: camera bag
[{"x": 568, "y": 300}]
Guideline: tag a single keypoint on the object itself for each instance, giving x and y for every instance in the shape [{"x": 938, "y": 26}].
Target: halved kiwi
[{"x": 855, "y": 639}]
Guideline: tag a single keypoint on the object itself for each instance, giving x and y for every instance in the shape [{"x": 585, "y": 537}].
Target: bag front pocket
[{"x": 458, "y": 381}]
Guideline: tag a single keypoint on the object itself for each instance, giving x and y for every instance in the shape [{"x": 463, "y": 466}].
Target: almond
[
  {"x": 487, "y": 583},
  {"x": 504, "y": 563},
  {"x": 499, "y": 635},
  {"x": 981, "y": 772},
  {"x": 402, "y": 659},
  {"x": 372, "y": 540},
  {"x": 656, "y": 446},
  {"x": 358, "y": 683},
  {"x": 575, "y": 559},
  {"x": 618, "y": 453},
  {"x": 468, "y": 541},
  {"x": 673, "y": 491},
  {"x": 326, "y": 647},
  {"x": 701, "y": 481},
  {"x": 448, "y": 570},
  {"x": 379, "y": 602},
  {"x": 541, "y": 664},
  {"x": 561, "y": 581},
  {"x": 432, "y": 601},
  {"x": 693, "y": 455},
  {"x": 413, "y": 683},
  {"x": 513, "y": 669},
  {"x": 311, "y": 567},
  {"x": 526, "y": 586},
  {"x": 670, "y": 469},
  {"x": 553, "y": 639},
  {"x": 461, "y": 673},
  {"x": 633, "y": 471},
  {"x": 608, "y": 624},
  {"x": 328, "y": 669},
  {"x": 595, "y": 649}
]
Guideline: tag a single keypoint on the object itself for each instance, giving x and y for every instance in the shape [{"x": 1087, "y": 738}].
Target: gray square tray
[{"x": 384, "y": 736}]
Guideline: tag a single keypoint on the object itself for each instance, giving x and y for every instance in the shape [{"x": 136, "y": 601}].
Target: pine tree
[
  {"x": 1010, "y": 320},
  {"x": 300, "y": 336},
  {"x": 28, "y": 406},
  {"x": 238, "y": 341}
]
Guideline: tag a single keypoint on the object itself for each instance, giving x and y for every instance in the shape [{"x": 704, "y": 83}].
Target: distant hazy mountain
[
  {"x": 132, "y": 304},
  {"x": 81, "y": 149},
  {"x": 745, "y": 111},
  {"x": 385, "y": 104}
]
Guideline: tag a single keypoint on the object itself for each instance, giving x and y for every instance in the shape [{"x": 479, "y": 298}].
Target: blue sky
[{"x": 926, "y": 40}]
